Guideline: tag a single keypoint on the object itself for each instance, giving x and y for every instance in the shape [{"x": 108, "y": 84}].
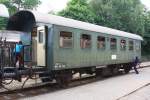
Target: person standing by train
[
  {"x": 18, "y": 53},
  {"x": 135, "y": 63}
]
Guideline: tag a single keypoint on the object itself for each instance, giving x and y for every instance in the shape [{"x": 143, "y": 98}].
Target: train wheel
[
  {"x": 115, "y": 70},
  {"x": 99, "y": 72},
  {"x": 127, "y": 68},
  {"x": 64, "y": 78},
  {"x": 106, "y": 72}
]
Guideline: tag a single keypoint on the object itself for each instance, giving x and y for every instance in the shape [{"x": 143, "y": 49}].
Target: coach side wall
[{"x": 77, "y": 57}]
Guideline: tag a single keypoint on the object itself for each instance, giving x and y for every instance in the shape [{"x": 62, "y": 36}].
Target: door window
[{"x": 41, "y": 34}]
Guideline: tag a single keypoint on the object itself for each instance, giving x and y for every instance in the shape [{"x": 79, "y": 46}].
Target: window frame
[
  {"x": 130, "y": 46},
  {"x": 90, "y": 41},
  {"x": 41, "y": 33},
  {"x": 124, "y": 48},
  {"x": 72, "y": 40},
  {"x": 137, "y": 44},
  {"x": 110, "y": 40},
  {"x": 105, "y": 39}
]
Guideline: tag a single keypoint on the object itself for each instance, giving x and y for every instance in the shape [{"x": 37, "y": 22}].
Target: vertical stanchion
[
  {"x": 1, "y": 61},
  {"x": 23, "y": 55}
]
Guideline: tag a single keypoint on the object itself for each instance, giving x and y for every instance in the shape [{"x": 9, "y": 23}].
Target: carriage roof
[{"x": 57, "y": 20}]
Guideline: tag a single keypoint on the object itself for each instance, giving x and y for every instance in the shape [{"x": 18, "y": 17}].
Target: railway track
[
  {"x": 43, "y": 88},
  {"x": 120, "y": 98}
]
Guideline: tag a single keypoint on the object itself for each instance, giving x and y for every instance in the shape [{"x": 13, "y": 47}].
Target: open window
[
  {"x": 101, "y": 42},
  {"x": 85, "y": 41},
  {"x": 131, "y": 45},
  {"x": 66, "y": 40},
  {"x": 122, "y": 44},
  {"x": 113, "y": 44}
]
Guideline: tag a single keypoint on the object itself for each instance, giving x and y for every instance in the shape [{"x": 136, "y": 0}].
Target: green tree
[
  {"x": 3, "y": 23},
  {"x": 12, "y": 9},
  {"x": 126, "y": 15},
  {"x": 147, "y": 22},
  {"x": 25, "y": 4},
  {"x": 146, "y": 42},
  {"x": 15, "y": 5},
  {"x": 79, "y": 10}
]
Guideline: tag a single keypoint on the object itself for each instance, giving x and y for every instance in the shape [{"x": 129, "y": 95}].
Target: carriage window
[
  {"x": 122, "y": 44},
  {"x": 41, "y": 33},
  {"x": 65, "y": 40},
  {"x": 85, "y": 41},
  {"x": 101, "y": 42},
  {"x": 137, "y": 46},
  {"x": 131, "y": 45},
  {"x": 113, "y": 44}
]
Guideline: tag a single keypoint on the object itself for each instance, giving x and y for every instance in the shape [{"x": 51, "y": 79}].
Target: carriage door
[{"x": 41, "y": 46}]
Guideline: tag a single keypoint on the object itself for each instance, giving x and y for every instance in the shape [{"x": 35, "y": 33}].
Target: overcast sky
[
  {"x": 57, "y": 5},
  {"x": 52, "y": 5}
]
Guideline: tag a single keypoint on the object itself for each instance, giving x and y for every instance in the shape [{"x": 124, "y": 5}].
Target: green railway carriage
[
  {"x": 65, "y": 46},
  {"x": 63, "y": 43},
  {"x": 75, "y": 56}
]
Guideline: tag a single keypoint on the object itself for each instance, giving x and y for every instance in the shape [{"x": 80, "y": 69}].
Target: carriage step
[
  {"x": 48, "y": 77},
  {"x": 9, "y": 67},
  {"x": 41, "y": 72},
  {"x": 39, "y": 69}
]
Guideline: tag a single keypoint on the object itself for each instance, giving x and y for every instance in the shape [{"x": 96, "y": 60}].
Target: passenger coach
[{"x": 64, "y": 46}]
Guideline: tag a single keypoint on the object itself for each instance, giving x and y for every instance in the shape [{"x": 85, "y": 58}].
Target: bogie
[{"x": 127, "y": 67}]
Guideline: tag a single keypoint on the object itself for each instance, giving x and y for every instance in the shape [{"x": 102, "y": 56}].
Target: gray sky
[
  {"x": 57, "y": 5},
  {"x": 52, "y": 5}
]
